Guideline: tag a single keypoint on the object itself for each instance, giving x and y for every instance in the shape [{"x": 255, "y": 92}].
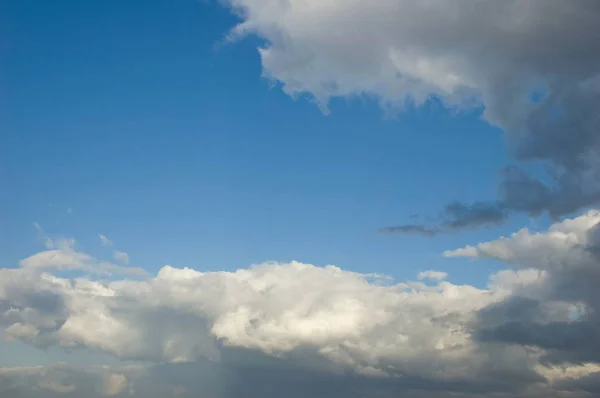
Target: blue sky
[{"x": 158, "y": 133}]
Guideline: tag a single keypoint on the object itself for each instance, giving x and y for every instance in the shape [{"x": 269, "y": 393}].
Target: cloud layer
[
  {"x": 531, "y": 66},
  {"x": 531, "y": 332}
]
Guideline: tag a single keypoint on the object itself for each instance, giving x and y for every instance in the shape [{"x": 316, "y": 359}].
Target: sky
[{"x": 353, "y": 198}]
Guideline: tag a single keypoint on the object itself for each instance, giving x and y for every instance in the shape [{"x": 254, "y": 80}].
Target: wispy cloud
[
  {"x": 104, "y": 240},
  {"x": 121, "y": 257},
  {"x": 432, "y": 275}
]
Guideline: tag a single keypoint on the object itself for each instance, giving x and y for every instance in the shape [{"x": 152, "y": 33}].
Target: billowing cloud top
[{"x": 531, "y": 332}]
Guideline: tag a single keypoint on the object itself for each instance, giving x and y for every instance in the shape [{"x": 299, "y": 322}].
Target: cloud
[
  {"x": 104, "y": 240},
  {"x": 532, "y": 68},
  {"x": 411, "y": 229},
  {"x": 559, "y": 315},
  {"x": 65, "y": 259},
  {"x": 122, "y": 257},
  {"x": 563, "y": 244},
  {"x": 319, "y": 331},
  {"x": 519, "y": 192},
  {"x": 57, "y": 387},
  {"x": 457, "y": 216},
  {"x": 432, "y": 275},
  {"x": 215, "y": 379}
]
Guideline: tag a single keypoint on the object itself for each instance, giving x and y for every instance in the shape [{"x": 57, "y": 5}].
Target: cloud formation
[
  {"x": 457, "y": 216},
  {"x": 104, "y": 240},
  {"x": 432, "y": 275},
  {"x": 62, "y": 256},
  {"x": 532, "y": 68},
  {"x": 530, "y": 332},
  {"x": 559, "y": 315}
]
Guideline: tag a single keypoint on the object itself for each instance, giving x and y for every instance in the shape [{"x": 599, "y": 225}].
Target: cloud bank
[
  {"x": 532, "y": 67},
  {"x": 531, "y": 332}
]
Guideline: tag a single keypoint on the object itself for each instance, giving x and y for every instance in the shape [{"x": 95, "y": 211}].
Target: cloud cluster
[
  {"x": 531, "y": 332},
  {"x": 561, "y": 315},
  {"x": 532, "y": 66}
]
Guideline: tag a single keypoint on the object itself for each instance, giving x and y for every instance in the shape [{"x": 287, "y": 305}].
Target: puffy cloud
[
  {"x": 560, "y": 314},
  {"x": 565, "y": 244},
  {"x": 181, "y": 314},
  {"x": 457, "y": 216},
  {"x": 532, "y": 66},
  {"x": 530, "y": 332}
]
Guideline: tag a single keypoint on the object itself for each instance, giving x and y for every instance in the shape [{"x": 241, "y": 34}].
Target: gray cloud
[
  {"x": 532, "y": 67},
  {"x": 560, "y": 315},
  {"x": 567, "y": 192},
  {"x": 456, "y": 217},
  {"x": 411, "y": 229}
]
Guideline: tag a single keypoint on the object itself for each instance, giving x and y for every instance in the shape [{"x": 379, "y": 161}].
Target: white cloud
[
  {"x": 559, "y": 308},
  {"x": 400, "y": 49},
  {"x": 104, "y": 240},
  {"x": 411, "y": 337},
  {"x": 564, "y": 244},
  {"x": 122, "y": 257},
  {"x": 432, "y": 275},
  {"x": 65, "y": 258},
  {"x": 182, "y": 315}
]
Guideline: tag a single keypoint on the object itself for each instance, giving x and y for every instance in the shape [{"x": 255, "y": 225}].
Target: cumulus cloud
[
  {"x": 559, "y": 315},
  {"x": 325, "y": 331},
  {"x": 564, "y": 244},
  {"x": 532, "y": 67}
]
